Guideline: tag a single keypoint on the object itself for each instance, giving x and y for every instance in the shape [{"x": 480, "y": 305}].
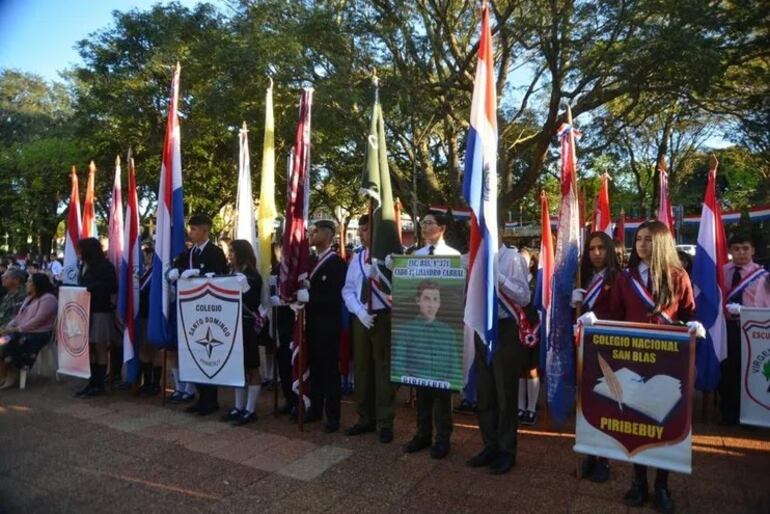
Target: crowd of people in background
[{"x": 503, "y": 392}]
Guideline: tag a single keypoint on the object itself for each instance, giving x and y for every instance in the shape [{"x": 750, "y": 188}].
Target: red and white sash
[
  {"x": 325, "y": 257},
  {"x": 647, "y": 298},
  {"x": 594, "y": 288},
  {"x": 746, "y": 282},
  {"x": 529, "y": 334}
]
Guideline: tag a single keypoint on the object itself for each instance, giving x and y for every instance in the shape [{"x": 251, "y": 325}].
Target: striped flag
[
  {"x": 602, "y": 218},
  {"x": 267, "y": 211},
  {"x": 69, "y": 275},
  {"x": 128, "y": 285},
  {"x": 295, "y": 257},
  {"x": 542, "y": 301},
  {"x": 665, "y": 212},
  {"x": 88, "y": 228},
  {"x": 559, "y": 365},
  {"x": 169, "y": 228},
  {"x": 375, "y": 184},
  {"x": 480, "y": 193},
  {"x": 710, "y": 258},
  {"x": 245, "y": 226},
  {"x": 115, "y": 250}
]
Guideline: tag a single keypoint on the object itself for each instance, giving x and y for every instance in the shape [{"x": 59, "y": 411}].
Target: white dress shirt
[
  {"x": 354, "y": 281},
  {"x": 440, "y": 248},
  {"x": 513, "y": 267}
]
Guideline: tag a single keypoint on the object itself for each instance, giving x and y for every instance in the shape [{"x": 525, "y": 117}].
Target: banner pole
[{"x": 301, "y": 358}]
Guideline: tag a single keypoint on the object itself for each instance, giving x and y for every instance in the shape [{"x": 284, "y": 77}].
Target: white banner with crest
[
  {"x": 72, "y": 324},
  {"x": 209, "y": 331}
]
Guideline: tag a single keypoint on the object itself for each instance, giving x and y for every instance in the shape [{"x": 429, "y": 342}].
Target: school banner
[
  {"x": 755, "y": 366},
  {"x": 73, "y": 319},
  {"x": 427, "y": 323},
  {"x": 635, "y": 384},
  {"x": 209, "y": 331}
]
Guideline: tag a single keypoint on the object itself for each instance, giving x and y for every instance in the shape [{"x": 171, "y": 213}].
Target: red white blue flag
[
  {"x": 560, "y": 348},
  {"x": 602, "y": 218},
  {"x": 130, "y": 272},
  {"x": 542, "y": 299},
  {"x": 69, "y": 274},
  {"x": 115, "y": 250},
  {"x": 169, "y": 228},
  {"x": 707, "y": 279},
  {"x": 480, "y": 193}
]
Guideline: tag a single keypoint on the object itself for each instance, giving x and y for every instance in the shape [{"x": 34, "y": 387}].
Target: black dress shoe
[
  {"x": 85, "y": 389},
  {"x": 587, "y": 466},
  {"x": 330, "y": 428},
  {"x": 193, "y": 409},
  {"x": 415, "y": 445},
  {"x": 502, "y": 464},
  {"x": 93, "y": 391},
  {"x": 359, "y": 429},
  {"x": 231, "y": 416},
  {"x": 637, "y": 495},
  {"x": 663, "y": 501},
  {"x": 601, "y": 471},
  {"x": 245, "y": 418},
  {"x": 439, "y": 450},
  {"x": 386, "y": 435},
  {"x": 485, "y": 458},
  {"x": 205, "y": 410}
]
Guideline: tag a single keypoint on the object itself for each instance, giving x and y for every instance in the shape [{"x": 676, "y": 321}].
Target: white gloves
[
  {"x": 587, "y": 319},
  {"x": 263, "y": 312},
  {"x": 209, "y": 275},
  {"x": 303, "y": 295},
  {"x": 172, "y": 275},
  {"x": 389, "y": 262},
  {"x": 189, "y": 273},
  {"x": 371, "y": 269},
  {"x": 734, "y": 309},
  {"x": 243, "y": 282},
  {"x": 273, "y": 281},
  {"x": 365, "y": 318},
  {"x": 696, "y": 328},
  {"x": 275, "y": 301},
  {"x": 577, "y": 297}
]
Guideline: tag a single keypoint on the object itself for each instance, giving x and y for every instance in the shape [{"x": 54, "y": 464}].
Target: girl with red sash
[
  {"x": 654, "y": 289},
  {"x": 599, "y": 269}
]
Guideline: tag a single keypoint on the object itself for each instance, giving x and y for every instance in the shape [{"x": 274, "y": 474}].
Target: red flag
[
  {"x": 602, "y": 221},
  {"x": 620, "y": 230},
  {"x": 72, "y": 235},
  {"x": 295, "y": 257},
  {"x": 665, "y": 213},
  {"x": 89, "y": 220}
]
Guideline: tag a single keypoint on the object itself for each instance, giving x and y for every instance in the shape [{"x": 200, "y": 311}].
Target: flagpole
[
  {"x": 376, "y": 84},
  {"x": 573, "y": 158}
]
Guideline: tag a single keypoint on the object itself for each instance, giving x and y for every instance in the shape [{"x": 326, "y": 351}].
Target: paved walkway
[{"x": 119, "y": 453}]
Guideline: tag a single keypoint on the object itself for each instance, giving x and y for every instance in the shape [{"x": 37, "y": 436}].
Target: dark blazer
[
  {"x": 324, "y": 311},
  {"x": 211, "y": 260},
  {"x": 100, "y": 280}
]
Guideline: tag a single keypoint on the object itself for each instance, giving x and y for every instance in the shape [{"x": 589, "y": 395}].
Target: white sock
[
  {"x": 522, "y": 394},
  {"x": 240, "y": 397},
  {"x": 253, "y": 394},
  {"x": 178, "y": 385},
  {"x": 189, "y": 387},
  {"x": 533, "y": 390}
]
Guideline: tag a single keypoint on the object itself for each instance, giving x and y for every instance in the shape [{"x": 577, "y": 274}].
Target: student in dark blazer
[
  {"x": 201, "y": 258},
  {"x": 324, "y": 326}
]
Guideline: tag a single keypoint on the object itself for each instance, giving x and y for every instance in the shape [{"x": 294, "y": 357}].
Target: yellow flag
[{"x": 267, "y": 213}]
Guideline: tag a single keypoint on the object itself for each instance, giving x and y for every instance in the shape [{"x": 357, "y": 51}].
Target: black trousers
[
  {"x": 661, "y": 476},
  {"x": 434, "y": 407},
  {"x": 207, "y": 395},
  {"x": 497, "y": 386},
  {"x": 285, "y": 327},
  {"x": 325, "y": 383},
  {"x": 730, "y": 379}
]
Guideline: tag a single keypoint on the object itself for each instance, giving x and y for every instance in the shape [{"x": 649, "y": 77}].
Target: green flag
[{"x": 375, "y": 183}]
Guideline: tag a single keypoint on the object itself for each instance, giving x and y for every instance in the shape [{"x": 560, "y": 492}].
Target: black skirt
[{"x": 250, "y": 346}]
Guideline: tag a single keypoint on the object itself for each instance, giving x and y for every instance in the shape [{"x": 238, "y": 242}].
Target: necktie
[
  {"x": 737, "y": 280},
  {"x": 431, "y": 250},
  {"x": 364, "y": 286}
]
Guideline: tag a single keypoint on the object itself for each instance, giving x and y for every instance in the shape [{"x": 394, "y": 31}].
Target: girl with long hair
[
  {"x": 244, "y": 264},
  {"x": 653, "y": 267},
  {"x": 598, "y": 270}
]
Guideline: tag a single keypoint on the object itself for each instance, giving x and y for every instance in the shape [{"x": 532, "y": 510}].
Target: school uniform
[
  {"x": 744, "y": 285},
  {"x": 323, "y": 324},
  {"x": 208, "y": 258}
]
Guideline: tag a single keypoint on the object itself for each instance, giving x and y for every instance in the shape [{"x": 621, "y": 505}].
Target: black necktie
[
  {"x": 738, "y": 298},
  {"x": 431, "y": 250}
]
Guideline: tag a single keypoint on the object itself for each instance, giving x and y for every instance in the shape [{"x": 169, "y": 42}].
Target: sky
[{"x": 39, "y": 36}]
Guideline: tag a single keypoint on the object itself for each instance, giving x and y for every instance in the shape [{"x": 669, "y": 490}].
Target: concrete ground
[{"x": 119, "y": 453}]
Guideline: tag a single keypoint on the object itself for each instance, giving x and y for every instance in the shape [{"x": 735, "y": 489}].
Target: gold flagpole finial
[
  {"x": 662, "y": 164},
  {"x": 375, "y": 79},
  {"x": 92, "y": 167},
  {"x": 73, "y": 171},
  {"x": 117, "y": 160},
  {"x": 243, "y": 127}
]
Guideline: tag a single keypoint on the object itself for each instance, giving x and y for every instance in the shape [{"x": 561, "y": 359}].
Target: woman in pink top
[{"x": 31, "y": 329}]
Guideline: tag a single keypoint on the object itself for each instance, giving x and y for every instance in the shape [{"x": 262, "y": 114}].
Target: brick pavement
[{"x": 119, "y": 453}]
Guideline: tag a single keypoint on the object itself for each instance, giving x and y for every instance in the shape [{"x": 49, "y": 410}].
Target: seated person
[{"x": 31, "y": 329}]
